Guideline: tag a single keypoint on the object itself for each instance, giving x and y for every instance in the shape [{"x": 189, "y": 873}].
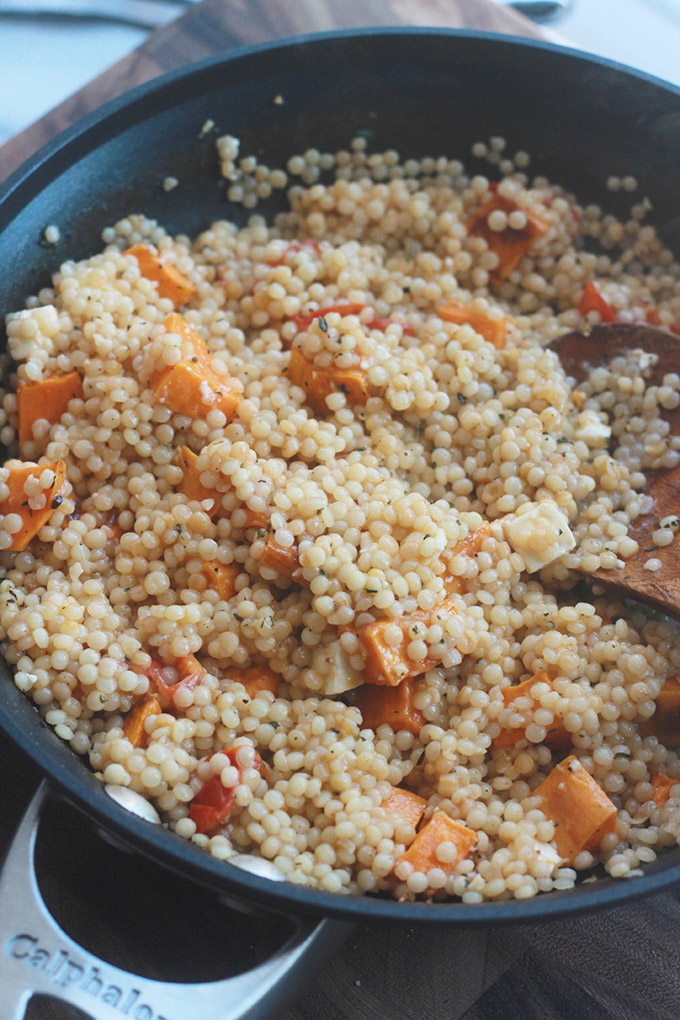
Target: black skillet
[{"x": 422, "y": 92}]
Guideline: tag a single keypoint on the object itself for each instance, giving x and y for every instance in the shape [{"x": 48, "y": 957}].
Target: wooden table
[{"x": 620, "y": 965}]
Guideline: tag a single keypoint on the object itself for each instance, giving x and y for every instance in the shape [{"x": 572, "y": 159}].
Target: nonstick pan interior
[{"x": 421, "y": 92}]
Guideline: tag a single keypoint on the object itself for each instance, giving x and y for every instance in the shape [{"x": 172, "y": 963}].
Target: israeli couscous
[{"x": 295, "y": 547}]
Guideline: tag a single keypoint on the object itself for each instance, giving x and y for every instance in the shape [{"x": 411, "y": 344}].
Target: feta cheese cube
[
  {"x": 592, "y": 429},
  {"x": 539, "y": 533},
  {"x": 333, "y": 663},
  {"x": 548, "y": 855},
  {"x": 31, "y": 332},
  {"x": 46, "y": 318}
]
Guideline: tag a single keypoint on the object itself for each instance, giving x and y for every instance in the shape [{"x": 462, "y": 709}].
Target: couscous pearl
[{"x": 195, "y": 614}]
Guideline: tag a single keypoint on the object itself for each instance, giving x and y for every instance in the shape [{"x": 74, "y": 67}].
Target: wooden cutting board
[{"x": 216, "y": 26}]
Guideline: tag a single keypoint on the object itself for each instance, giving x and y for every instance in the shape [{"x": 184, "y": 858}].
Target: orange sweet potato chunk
[
  {"x": 133, "y": 727},
  {"x": 662, "y": 786},
  {"x": 510, "y": 245},
  {"x": 582, "y": 812},
  {"x": 17, "y": 502},
  {"x": 468, "y": 546},
  {"x": 171, "y": 283},
  {"x": 493, "y": 330},
  {"x": 47, "y": 399},
  {"x": 255, "y": 678},
  {"x": 422, "y": 853},
  {"x": 556, "y": 736},
  {"x": 319, "y": 383},
  {"x": 390, "y": 705},
  {"x": 193, "y": 387},
  {"x": 221, "y": 577},
  {"x": 390, "y": 664},
  {"x": 277, "y": 557},
  {"x": 665, "y": 723},
  {"x": 191, "y": 486},
  {"x": 407, "y": 805},
  {"x": 255, "y": 518}
]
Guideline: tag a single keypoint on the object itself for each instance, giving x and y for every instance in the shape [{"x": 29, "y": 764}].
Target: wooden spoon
[{"x": 579, "y": 353}]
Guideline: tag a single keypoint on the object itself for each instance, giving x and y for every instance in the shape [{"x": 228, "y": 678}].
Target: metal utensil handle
[
  {"x": 147, "y": 14},
  {"x": 540, "y": 10},
  {"x": 37, "y": 957}
]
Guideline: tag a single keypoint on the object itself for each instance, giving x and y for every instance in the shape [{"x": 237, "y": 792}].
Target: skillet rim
[{"x": 84, "y": 791}]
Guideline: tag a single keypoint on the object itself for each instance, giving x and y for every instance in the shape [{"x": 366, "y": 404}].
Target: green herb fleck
[{"x": 323, "y": 324}]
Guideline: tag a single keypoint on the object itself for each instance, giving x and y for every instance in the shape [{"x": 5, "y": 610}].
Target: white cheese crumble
[
  {"x": 539, "y": 532},
  {"x": 46, "y": 318},
  {"x": 592, "y": 429},
  {"x": 207, "y": 393},
  {"x": 333, "y": 661},
  {"x": 548, "y": 855}
]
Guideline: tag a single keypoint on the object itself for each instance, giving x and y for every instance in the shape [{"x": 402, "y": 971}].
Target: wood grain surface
[
  {"x": 622, "y": 965},
  {"x": 579, "y": 354},
  {"x": 215, "y": 26}
]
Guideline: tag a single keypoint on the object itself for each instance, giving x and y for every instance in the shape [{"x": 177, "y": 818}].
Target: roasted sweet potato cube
[
  {"x": 133, "y": 727},
  {"x": 468, "y": 546},
  {"x": 255, "y": 519},
  {"x": 582, "y": 812},
  {"x": 493, "y": 330},
  {"x": 170, "y": 282},
  {"x": 390, "y": 705},
  {"x": 283, "y": 559},
  {"x": 255, "y": 678},
  {"x": 221, "y": 577},
  {"x": 191, "y": 485},
  {"x": 407, "y": 805},
  {"x": 665, "y": 723},
  {"x": 422, "y": 853},
  {"x": 556, "y": 736},
  {"x": 662, "y": 786},
  {"x": 46, "y": 399},
  {"x": 193, "y": 387},
  {"x": 390, "y": 664},
  {"x": 51, "y": 479},
  {"x": 510, "y": 245},
  {"x": 319, "y": 383}
]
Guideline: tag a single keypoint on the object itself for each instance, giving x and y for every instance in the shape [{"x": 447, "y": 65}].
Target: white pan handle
[{"x": 38, "y": 958}]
